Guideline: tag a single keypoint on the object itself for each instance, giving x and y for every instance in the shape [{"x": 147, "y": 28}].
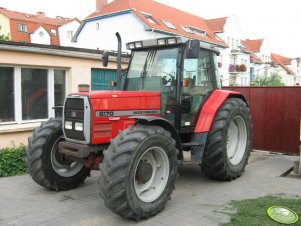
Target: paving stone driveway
[{"x": 196, "y": 200}]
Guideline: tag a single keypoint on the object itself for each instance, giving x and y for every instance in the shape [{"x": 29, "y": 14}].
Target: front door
[{"x": 198, "y": 79}]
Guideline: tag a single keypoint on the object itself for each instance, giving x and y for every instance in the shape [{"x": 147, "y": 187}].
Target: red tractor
[{"x": 170, "y": 102}]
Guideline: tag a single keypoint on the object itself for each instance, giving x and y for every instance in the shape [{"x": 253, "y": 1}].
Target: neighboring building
[
  {"x": 234, "y": 61},
  {"x": 139, "y": 20},
  {"x": 24, "y": 27},
  {"x": 34, "y": 78},
  {"x": 260, "y": 58},
  {"x": 281, "y": 67}
]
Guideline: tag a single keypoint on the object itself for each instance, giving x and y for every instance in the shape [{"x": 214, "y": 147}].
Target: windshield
[{"x": 152, "y": 70}]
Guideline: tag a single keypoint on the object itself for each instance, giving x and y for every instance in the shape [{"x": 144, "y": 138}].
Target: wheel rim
[
  {"x": 236, "y": 140},
  {"x": 60, "y": 165},
  {"x": 151, "y": 174}
]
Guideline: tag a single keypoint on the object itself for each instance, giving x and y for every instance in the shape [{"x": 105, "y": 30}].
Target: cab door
[{"x": 198, "y": 82}]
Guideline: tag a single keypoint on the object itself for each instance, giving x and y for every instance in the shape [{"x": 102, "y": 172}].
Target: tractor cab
[{"x": 183, "y": 71}]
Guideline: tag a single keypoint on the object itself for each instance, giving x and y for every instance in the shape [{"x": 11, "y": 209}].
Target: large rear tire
[
  {"x": 139, "y": 171},
  {"x": 229, "y": 141},
  {"x": 46, "y": 165}
]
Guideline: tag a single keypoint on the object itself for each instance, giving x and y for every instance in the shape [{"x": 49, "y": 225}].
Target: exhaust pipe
[{"x": 118, "y": 60}]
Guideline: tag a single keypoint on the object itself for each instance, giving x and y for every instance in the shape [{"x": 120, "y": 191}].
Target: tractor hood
[{"x": 121, "y": 100}]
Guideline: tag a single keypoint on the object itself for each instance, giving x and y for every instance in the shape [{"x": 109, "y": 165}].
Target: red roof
[
  {"x": 255, "y": 59},
  {"x": 252, "y": 45},
  {"x": 217, "y": 24},
  {"x": 160, "y": 12},
  {"x": 282, "y": 62},
  {"x": 33, "y": 22}
]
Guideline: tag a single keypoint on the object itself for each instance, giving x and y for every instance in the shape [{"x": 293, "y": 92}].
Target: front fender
[
  {"x": 158, "y": 121},
  {"x": 211, "y": 106}
]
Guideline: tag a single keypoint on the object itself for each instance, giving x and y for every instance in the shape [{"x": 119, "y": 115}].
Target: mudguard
[
  {"x": 211, "y": 106},
  {"x": 158, "y": 121}
]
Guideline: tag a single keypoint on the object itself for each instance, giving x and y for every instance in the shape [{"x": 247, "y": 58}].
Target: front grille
[{"x": 74, "y": 111}]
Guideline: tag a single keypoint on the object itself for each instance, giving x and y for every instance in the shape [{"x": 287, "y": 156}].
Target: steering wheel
[{"x": 168, "y": 79}]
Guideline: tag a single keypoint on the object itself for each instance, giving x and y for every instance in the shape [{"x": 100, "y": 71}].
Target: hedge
[{"x": 12, "y": 161}]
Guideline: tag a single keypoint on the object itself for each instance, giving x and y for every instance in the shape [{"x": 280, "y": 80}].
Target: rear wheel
[
  {"x": 229, "y": 141},
  {"x": 139, "y": 171},
  {"x": 46, "y": 165}
]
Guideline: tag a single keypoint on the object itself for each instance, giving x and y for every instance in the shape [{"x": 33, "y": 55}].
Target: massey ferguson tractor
[{"x": 169, "y": 102}]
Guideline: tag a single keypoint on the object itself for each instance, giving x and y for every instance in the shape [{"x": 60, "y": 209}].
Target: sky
[{"x": 277, "y": 20}]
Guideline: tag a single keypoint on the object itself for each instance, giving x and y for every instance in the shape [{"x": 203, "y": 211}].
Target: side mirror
[
  {"x": 193, "y": 50},
  {"x": 105, "y": 59}
]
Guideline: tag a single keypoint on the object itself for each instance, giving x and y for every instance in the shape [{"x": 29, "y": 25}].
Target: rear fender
[
  {"x": 211, "y": 106},
  {"x": 157, "y": 121}
]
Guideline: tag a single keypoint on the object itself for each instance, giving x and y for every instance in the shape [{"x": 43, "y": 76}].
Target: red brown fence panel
[{"x": 276, "y": 115}]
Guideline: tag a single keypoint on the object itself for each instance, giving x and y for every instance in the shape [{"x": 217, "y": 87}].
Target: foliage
[
  {"x": 273, "y": 80},
  {"x": 12, "y": 161},
  {"x": 252, "y": 212},
  {"x": 4, "y": 37}
]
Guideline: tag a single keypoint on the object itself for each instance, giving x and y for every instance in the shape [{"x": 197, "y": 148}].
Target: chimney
[
  {"x": 41, "y": 15},
  {"x": 100, "y": 4}
]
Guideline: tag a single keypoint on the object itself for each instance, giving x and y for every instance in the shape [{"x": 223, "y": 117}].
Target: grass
[
  {"x": 252, "y": 212},
  {"x": 12, "y": 161}
]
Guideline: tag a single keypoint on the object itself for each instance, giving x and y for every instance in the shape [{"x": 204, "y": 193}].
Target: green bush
[{"x": 12, "y": 161}]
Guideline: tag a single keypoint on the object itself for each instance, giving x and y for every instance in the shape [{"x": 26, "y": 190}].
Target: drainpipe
[{"x": 118, "y": 60}]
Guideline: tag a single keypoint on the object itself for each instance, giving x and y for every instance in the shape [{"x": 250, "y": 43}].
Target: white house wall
[
  {"x": 36, "y": 37},
  {"x": 65, "y": 39},
  {"x": 128, "y": 26},
  {"x": 232, "y": 35},
  {"x": 4, "y": 25}
]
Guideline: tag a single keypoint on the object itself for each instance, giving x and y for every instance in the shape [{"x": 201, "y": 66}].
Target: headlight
[
  {"x": 79, "y": 126},
  {"x": 161, "y": 42},
  {"x": 68, "y": 125},
  {"x": 138, "y": 44},
  {"x": 131, "y": 46},
  {"x": 172, "y": 41}
]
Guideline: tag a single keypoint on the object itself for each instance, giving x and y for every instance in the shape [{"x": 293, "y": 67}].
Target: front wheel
[
  {"x": 229, "y": 141},
  {"x": 46, "y": 165},
  {"x": 139, "y": 171}
]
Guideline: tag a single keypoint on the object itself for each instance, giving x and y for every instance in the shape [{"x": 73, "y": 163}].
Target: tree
[
  {"x": 4, "y": 37},
  {"x": 273, "y": 80}
]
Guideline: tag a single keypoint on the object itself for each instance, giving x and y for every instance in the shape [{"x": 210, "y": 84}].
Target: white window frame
[
  {"x": 186, "y": 29},
  {"x": 198, "y": 31},
  {"x": 53, "y": 32},
  {"x": 22, "y": 28},
  {"x": 70, "y": 34},
  {"x": 148, "y": 17},
  {"x": 18, "y": 94},
  {"x": 168, "y": 24}
]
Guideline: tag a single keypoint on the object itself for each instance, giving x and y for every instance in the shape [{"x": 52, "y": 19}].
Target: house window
[
  {"x": 7, "y": 102},
  {"x": 187, "y": 29},
  {"x": 30, "y": 93},
  {"x": 34, "y": 91},
  {"x": 70, "y": 34},
  {"x": 22, "y": 27},
  {"x": 97, "y": 26},
  {"x": 252, "y": 74},
  {"x": 168, "y": 24},
  {"x": 53, "y": 32},
  {"x": 41, "y": 34},
  {"x": 59, "y": 87},
  {"x": 198, "y": 31},
  {"x": 149, "y": 18}
]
